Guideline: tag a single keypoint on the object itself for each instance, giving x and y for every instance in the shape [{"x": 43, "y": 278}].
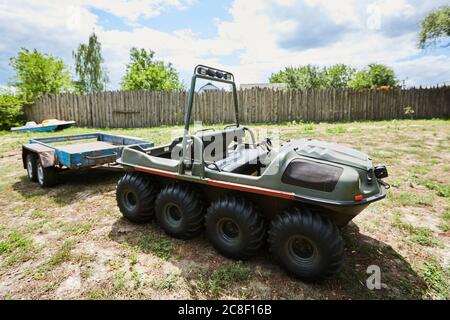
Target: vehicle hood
[{"x": 331, "y": 152}]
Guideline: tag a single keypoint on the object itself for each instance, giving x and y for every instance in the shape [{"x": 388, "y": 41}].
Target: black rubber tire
[
  {"x": 135, "y": 195},
  {"x": 46, "y": 177},
  {"x": 31, "y": 164},
  {"x": 180, "y": 211},
  {"x": 315, "y": 237},
  {"x": 235, "y": 227}
]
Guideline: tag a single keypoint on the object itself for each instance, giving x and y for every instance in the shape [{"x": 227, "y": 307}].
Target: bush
[{"x": 11, "y": 112}]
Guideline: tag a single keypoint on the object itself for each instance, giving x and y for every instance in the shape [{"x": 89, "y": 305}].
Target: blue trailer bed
[{"x": 74, "y": 152}]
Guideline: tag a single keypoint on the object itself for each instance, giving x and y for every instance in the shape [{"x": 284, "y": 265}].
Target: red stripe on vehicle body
[
  {"x": 258, "y": 190},
  {"x": 155, "y": 171},
  {"x": 223, "y": 184}
]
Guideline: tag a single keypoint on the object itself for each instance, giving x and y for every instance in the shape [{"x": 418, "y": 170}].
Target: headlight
[{"x": 381, "y": 172}]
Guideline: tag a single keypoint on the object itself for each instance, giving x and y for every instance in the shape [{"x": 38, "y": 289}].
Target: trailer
[{"x": 44, "y": 158}]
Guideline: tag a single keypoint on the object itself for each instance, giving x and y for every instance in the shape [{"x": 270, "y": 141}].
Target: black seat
[
  {"x": 240, "y": 161},
  {"x": 216, "y": 144}
]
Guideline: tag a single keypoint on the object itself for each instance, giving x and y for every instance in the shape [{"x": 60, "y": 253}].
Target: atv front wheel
[
  {"x": 180, "y": 211},
  {"x": 235, "y": 227},
  {"x": 135, "y": 195},
  {"x": 307, "y": 245}
]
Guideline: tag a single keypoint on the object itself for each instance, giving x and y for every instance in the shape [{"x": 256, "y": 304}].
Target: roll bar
[{"x": 211, "y": 74}]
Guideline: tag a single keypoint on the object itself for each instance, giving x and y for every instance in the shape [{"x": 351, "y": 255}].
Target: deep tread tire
[
  {"x": 229, "y": 214},
  {"x": 31, "y": 163},
  {"x": 46, "y": 177},
  {"x": 180, "y": 211},
  {"x": 299, "y": 228},
  {"x": 136, "y": 194}
]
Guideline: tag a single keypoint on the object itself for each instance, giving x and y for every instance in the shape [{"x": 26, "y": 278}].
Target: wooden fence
[{"x": 136, "y": 109}]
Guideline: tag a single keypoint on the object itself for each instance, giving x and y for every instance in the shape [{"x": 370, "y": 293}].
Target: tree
[
  {"x": 11, "y": 112},
  {"x": 435, "y": 27},
  {"x": 337, "y": 76},
  {"x": 304, "y": 77},
  {"x": 37, "y": 74},
  {"x": 92, "y": 76},
  {"x": 376, "y": 75},
  {"x": 145, "y": 73},
  {"x": 310, "y": 77}
]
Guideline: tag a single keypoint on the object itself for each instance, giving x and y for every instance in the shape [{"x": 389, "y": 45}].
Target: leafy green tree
[
  {"x": 145, "y": 73},
  {"x": 304, "y": 77},
  {"x": 313, "y": 77},
  {"x": 435, "y": 27},
  {"x": 11, "y": 112},
  {"x": 374, "y": 76},
  {"x": 337, "y": 76},
  {"x": 92, "y": 76},
  {"x": 37, "y": 74}
]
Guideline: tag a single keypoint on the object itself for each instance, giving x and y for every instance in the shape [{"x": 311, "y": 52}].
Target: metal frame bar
[{"x": 189, "y": 106}]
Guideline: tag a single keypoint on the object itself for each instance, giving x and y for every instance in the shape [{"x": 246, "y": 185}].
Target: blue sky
[{"x": 252, "y": 38}]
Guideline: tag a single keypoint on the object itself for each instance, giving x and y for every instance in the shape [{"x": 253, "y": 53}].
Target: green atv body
[{"x": 242, "y": 190}]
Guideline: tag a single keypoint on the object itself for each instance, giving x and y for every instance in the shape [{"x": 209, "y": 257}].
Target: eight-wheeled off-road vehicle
[{"x": 244, "y": 192}]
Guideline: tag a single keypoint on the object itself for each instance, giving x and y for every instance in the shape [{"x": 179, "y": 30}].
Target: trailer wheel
[
  {"x": 135, "y": 195},
  {"x": 46, "y": 177},
  {"x": 180, "y": 211},
  {"x": 307, "y": 245},
  {"x": 31, "y": 161},
  {"x": 235, "y": 227}
]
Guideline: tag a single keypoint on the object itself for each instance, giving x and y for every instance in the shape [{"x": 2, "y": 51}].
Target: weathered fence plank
[{"x": 148, "y": 109}]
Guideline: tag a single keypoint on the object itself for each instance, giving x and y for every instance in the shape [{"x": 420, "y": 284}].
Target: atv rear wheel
[
  {"x": 307, "y": 245},
  {"x": 235, "y": 227},
  {"x": 180, "y": 211},
  {"x": 135, "y": 195}
]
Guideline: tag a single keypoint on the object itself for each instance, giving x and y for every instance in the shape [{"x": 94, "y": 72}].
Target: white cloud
[
  {"x": 424, "y": 70},
  {"x": 262, "y": 36},
  {"x": 132, "y": 10}
]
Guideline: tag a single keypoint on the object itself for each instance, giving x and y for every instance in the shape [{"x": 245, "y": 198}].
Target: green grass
[
  {"x": 79, "y": 229},
  {"x": 440, "y": 189},
  {"x": 445, "y": 225},
  {"x": 421, "y": 235},
  {"x": 169, "y": 283},
  {"x": 16, "y": 248},
  {"x": 436, "y": 278},
  {"x": 38, "y": 214},
  {"x": 96, "y": 295},
  {"x": 222, "y": 278},
  {"x": 446, "y": 214},
  {"x": 119, "y": 281},
  {"x": 160, "y": 247},
  {"x": 395, "y": 183},
  {"x": 419, "y": 169},
  {"x": 15, "y": 241},
  {"x": 408, "y": 198},
  {"x": 61, "y": 255},
  {"x": 134, "y": 258},
  {"x": 336, "y": 130}
]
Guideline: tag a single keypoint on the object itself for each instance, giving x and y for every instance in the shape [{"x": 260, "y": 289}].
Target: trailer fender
[{"x": 46, "y": 155}]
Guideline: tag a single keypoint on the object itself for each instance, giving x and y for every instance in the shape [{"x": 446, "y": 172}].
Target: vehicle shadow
[
  {"x": 72, "y": 185},
  {"x": 197, "y": 260}
]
